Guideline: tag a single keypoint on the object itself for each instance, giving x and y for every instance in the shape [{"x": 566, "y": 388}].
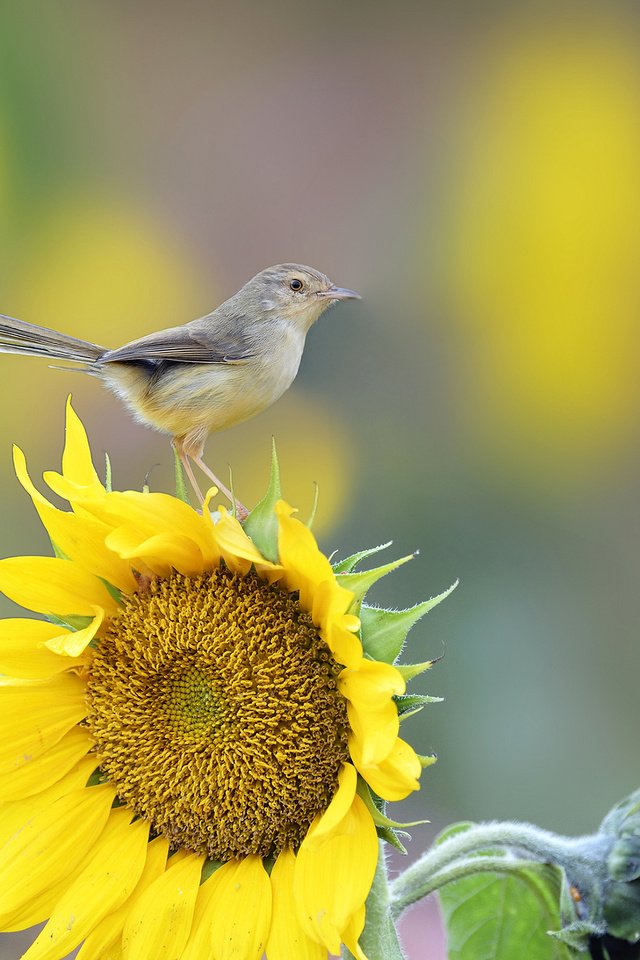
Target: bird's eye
[{"x": 296, "y": 284}]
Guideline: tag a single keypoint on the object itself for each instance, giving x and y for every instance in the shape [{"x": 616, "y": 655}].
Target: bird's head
[{"x": 295, "y": 292}]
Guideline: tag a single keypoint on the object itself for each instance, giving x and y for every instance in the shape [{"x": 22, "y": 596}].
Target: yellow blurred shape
[
  {"x": 313, "y": 447},
  {"x": 5, "y": 174},
  {"x": 543, "y": 272},
  {"x": 99, "y": 269}
]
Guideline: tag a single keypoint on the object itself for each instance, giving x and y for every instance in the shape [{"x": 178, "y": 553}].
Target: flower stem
[
  {"x": 582, "y": 859},
  {"x": 379, "y": 939}
]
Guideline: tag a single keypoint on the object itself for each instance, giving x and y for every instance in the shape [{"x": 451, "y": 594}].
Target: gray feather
[
  {"x": 195, "y": 342},
  {"x": 17, "y": 336}
]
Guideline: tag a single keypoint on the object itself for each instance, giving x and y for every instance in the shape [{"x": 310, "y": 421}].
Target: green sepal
[
  {"x": 57, "y": 552},
  {"x": 573, "y": 932},
  {"x": 409, "y": 704},
  {"x": 97, "y": 778},
  {"x": 427, "y": 759},
  {"x": 384, "y": 632},
  {"x": 349, "y": 564},
  {"x": 108, "y": 474},
  {"x": 71, "y": 622},
  {"x": 361, "y": 581},
  {"x": 577, "y": 935},
  {"x": 392, "y": 837},
  {"x": 114, "y": 592},
  {"x": 377, "y": 814},
  {"x": 410, "y": 670},
  {"x": 181, "y": 483},
  {"x": 314, "y": 508},
  {"x": 209, "y": 867},
  {"x": 262, "y": 524}
]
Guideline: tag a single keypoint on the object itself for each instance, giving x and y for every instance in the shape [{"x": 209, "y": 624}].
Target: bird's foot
[{"x": 240, "y": 510}]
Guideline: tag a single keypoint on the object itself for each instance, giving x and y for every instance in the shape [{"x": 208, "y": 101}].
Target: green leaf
[
  {"x": 349, "y": 564},
  {"x": 384, "y": 632},
  {"x": 493, "y": 917},
  {"x": 410, "y": 703},
  {"x": 262, "y": 524}
]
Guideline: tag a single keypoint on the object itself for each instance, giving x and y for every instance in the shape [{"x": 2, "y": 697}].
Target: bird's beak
[{"x": 339, "y": 293}]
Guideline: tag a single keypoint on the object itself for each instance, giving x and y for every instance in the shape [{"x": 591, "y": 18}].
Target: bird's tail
[{"x": 17, "y": 336}]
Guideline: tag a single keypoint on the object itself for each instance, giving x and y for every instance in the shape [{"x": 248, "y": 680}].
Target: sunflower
[{"x": 198, "y": 741}]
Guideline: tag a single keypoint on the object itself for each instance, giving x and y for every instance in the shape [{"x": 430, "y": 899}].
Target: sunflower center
[{"x": 214, "y": 704}]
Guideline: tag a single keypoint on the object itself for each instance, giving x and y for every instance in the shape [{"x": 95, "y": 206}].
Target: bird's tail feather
[{"x": 17, "y": 336}]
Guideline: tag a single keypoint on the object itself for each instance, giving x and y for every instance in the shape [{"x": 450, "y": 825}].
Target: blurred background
[{"x": 473, "y": 172}]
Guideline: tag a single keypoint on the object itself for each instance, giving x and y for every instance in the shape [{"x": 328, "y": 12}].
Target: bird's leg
[
  {"x": 241, "y": 511},
  {"x": 189, "y": 449},
  {"x": 176, "y": 443}
]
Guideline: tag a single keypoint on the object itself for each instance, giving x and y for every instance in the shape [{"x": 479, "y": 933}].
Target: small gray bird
[{"x": 206, "y": 375}]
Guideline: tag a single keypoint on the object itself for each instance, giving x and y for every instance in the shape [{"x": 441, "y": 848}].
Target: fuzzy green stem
[
  {"x": 458, "y": 870},
  {"x": 583, "y": 859}
]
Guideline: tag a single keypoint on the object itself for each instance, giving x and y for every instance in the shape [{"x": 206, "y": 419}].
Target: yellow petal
[
  {"x": 287, "y": 938},
  {"x": 371, "y": 682},
  {"x": 396, "y": 776},
  {"x": 175, "y": 551},
  {"x": 36, "y": 774},
  {"x": 159, "y": 923},
  {"x": 13, "y": 817},
  {"x": 344, "y": 644},
  {"x": 22, "y": 650},
  {"x": 199, "y": 942},
  {"x": 39, "y": 906},
  {"x": 35, "y": 717},
  {"x": 332, "y": 878},
  {"x": 107, "y": 934},
  {"x": 235, "y": 546},
  {"x": 73, "y": 643},
  {"x": 304, "y": 564},
  {"x": 373, "y": 715},
  {"x": 16, "y": 813},
  {"x": 111, "y": 873},
  {"x": 156, "y": 513},
  {"x": 242, "y": 909},
  {"x": 308, "y": 571},
  {"x": 338, "y": 808},
  {"x": 331, "y": 601},
  {"x": 351, "y": 935},
  {"x": 51, "y": 844},
  {"x": 126, "y": 541},
  {"x": 77, "y": 465},
  {"x": 79, "y": 538},
  {"x": 48, "y": 585},
  {"x": 113, "y": 952}
]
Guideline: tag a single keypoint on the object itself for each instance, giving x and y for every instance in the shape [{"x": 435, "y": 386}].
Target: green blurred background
[{"x": 473, "y": 172}]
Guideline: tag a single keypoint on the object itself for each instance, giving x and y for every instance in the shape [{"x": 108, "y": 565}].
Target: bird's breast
[{"x": 180, "y": 397}]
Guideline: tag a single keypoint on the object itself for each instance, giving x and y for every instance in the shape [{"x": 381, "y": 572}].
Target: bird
[{"x": 208, "y": 374}]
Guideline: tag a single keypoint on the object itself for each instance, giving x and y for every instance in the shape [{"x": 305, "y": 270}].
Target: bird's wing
[{"x": 195, "y": 342}]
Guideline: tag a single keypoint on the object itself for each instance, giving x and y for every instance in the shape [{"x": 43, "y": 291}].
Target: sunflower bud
[{"x": 621, "y": 906}]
